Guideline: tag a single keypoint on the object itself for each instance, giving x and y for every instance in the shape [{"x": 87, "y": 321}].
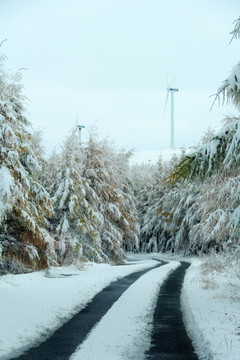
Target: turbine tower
[
  {"x": 173, "y": 90},
  {"x": 80, "y": 127}
]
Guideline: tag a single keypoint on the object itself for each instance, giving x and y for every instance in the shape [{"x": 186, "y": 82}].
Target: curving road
[
  {"x": 169, "y": 339},
  {"x": 65, "y": 340}
]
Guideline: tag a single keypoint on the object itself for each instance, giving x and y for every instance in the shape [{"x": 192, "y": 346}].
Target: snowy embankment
[
  {"x": 211, "y": 308},
  {"x": 33, "y": 306},
  {"x": 124, "y": 333},
  {"x": 151, "y": 157}
]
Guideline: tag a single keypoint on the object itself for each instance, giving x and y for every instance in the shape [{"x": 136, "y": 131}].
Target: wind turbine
[
  {"x": 172, "y": 90},
  {"x": 80, "y": 127}
]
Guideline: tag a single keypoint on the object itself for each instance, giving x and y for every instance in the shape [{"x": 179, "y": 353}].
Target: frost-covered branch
[
  {"x": 236, "y": 31},
  {"x": 220, "y": 153},
  {"x": 229, "y": 91}
]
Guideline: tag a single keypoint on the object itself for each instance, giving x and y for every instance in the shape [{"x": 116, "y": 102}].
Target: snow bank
[
  {"x": 210, "y": 304},
  {"x": 33, "y": 306},
  {"x": 124, "y": 333}
]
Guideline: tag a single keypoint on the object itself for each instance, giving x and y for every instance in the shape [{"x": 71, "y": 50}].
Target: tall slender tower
[
  {"x": 173, "y": 90},
  {"x": 80, "y": 127}
]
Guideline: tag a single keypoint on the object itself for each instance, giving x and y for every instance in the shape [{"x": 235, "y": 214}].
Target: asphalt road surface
[{"x": 169, "y": 338}]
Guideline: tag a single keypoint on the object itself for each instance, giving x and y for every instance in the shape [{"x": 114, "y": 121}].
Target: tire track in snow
[
  {"x": 66, "y": 339},
  {"x": 169, "y": 338},
  {"x": 124, "y": 332}
]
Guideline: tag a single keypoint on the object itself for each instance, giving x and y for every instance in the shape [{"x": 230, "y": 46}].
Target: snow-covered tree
[
  {"x": 213, "y": 169},
  {"x": 162, "y": 208},
  {"x": 104, "y": 170},
  {"x": 24, "y": 203},
  {"x": 76, "y": 221},
  {"x": 222, "y": 152}
]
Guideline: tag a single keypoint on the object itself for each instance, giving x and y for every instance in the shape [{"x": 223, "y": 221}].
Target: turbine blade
[
  {"x": 172, "y": 83},
  {"x": 168, "y": 87},
  {"x": 165, "y": 106}
]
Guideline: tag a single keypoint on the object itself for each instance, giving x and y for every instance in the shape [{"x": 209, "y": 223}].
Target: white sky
[{"x": 107, "y": 60}]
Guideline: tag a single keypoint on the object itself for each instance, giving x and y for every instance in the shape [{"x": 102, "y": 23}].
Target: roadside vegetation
[{"x": 85, "y": 203}]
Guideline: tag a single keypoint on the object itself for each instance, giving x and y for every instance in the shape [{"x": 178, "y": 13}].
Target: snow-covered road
[
  {"x": 125, "y": 331},
  {"x": 33, "y": 306}
]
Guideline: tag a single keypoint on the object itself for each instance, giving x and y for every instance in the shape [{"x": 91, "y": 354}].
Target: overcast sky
[{"x": 106, "y": 61}]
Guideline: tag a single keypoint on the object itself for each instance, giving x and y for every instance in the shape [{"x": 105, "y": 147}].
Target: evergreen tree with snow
[
  {"x": 110, "y": 190},
  {"x": 76, "y": 221},
  {"x": 222, "y": 152},
  {"x": 162, "y": 208},
  {"x": 24, "y": 203},
  {"x": 214, "y": 168}
]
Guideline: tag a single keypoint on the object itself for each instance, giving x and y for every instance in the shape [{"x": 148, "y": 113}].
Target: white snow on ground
[
  {"x": 33, "y": 306},
  {"x": 152, "y": 156},
  {"x": 124, "y": 333},
  {"x": 211, "y": 307}
]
